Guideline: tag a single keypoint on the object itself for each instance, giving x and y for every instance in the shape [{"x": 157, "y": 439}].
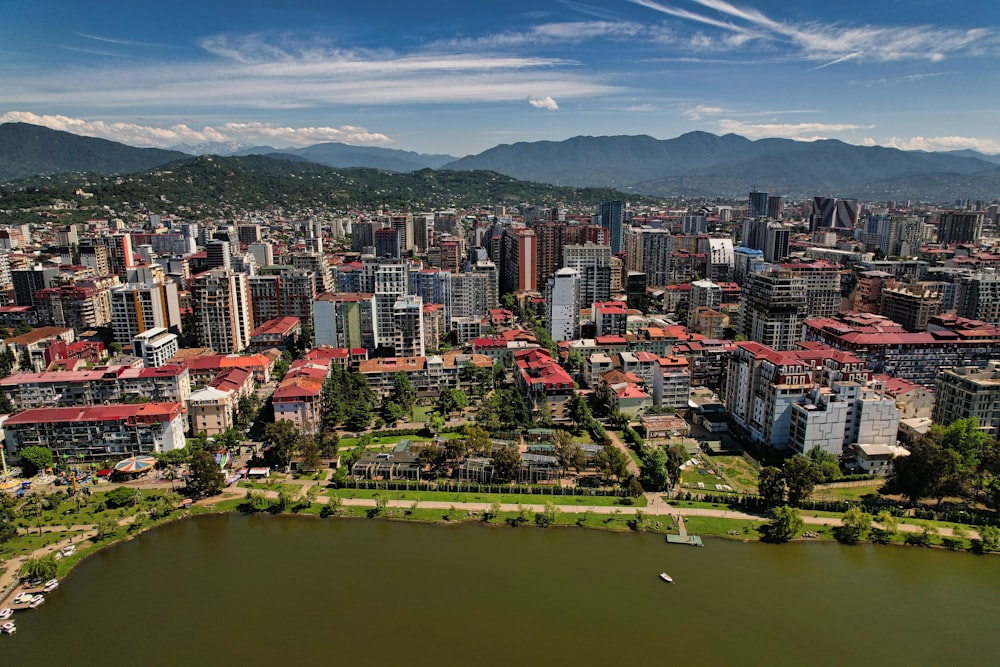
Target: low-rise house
[
  {"x": 387, "y": 466},
  {"x": 876, "y": 459},
  {"x": 659, "y": 429}
]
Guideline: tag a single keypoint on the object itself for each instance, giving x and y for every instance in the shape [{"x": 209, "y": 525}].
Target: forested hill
[{"x": 220, "y": 186}]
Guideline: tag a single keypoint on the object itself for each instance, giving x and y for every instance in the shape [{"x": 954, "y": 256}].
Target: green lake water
[{"x": 296, "y": 591}]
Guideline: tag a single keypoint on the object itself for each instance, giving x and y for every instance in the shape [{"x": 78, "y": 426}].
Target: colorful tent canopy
[
  {"x": 135, "y": 465},
  {"x": 222, "y": 459}
]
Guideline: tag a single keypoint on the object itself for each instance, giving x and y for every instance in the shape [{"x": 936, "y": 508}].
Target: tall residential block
[{"x": 220, "y": 301}]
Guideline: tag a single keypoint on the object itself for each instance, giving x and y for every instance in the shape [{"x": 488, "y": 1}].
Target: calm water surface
[{"x": 237, "y": 590}]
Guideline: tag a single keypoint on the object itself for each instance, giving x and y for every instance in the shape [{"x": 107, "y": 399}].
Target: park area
[{"x": 719, "y": 474}]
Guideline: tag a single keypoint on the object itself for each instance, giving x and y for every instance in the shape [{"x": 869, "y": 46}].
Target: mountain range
[{"x": 692, "y": 165}]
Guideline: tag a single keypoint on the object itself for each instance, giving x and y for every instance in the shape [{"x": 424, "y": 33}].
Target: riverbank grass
[{"x": 470, "y": 497}]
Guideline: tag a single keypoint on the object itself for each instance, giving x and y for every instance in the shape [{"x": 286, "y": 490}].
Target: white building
[
  {"x": 155, "y": 347},
  {"x": 562, "y": 301}
]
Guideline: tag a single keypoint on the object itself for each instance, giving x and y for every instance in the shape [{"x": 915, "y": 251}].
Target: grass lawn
[
  {"x": 465, "y": 497},
  {"x": 719, "y": 527},
  {"x": 421, "y": 412},
  {"x": 737, "y": 472},
  {"x": 383, "y": 440}
]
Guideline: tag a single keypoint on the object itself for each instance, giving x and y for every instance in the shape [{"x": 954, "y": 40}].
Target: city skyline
[{"x": 459, "y": 78}]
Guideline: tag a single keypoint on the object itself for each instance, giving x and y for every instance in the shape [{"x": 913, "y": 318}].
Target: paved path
[{"x": 633, "y": 467}]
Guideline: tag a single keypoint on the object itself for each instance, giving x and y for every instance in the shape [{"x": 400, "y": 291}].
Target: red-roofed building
[
  {"x": 888, "y": 348},
  {"x": 542, "y": 380},
  {"x": 764, "y": 385},
  {"x": 280, "y": 333},
  {"x": 97, "y": 433}
]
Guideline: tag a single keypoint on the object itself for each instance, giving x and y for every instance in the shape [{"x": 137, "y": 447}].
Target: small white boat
[
  {"x": 6, "y": 613},
  {"x": 8, "y": 628},
  {"x": 37, "y": 601},
  {"x": 50, "y": 585},
  {"x": 23, "y": 598},
  {"x": 666, "y": 577},
  {"x": 68, "y": 550}
]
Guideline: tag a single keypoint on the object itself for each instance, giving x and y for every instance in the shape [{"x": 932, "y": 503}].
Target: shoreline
[{"x": 740, "y": 524}]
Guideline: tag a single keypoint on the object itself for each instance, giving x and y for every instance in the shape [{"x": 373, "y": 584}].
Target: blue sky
[{"x": 460, "y": 77}]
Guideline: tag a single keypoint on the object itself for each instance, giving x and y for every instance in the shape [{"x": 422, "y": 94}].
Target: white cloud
[
  {"x": 702, "y": 110},
  {"x": 950, "y": 143},
  {"x": 797, "y": 131},
  {"x": 151, "y": 135},
  {"x": 544, "y": 103}
]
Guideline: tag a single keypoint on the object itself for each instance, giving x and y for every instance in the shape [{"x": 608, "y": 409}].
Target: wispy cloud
[
  {"x": 950, "y": 143},
  {"x": 122, "y": 42},
  {"x": 797, "y": 131},
  {"x": 832, "y": 43},
  {"x": 546, "y": 103},
  {"x": 152, "y": 135},
  {"x": 253, "y": 71},
  {"x": 909, "y": 78}
]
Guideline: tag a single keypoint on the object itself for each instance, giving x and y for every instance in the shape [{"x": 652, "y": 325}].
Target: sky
[{"x": 459, "y": 77}]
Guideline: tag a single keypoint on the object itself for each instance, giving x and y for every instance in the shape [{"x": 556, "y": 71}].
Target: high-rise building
[
  {"x": 839, "y": 215},
  {"x": 703, "y": 294},
  {"x": 220, "y": 301},
  {"x": 757, "y": 205},
  {"x": 387, "y": 280},
  {"x": 219, "y": 255},
  {"x": 519, "y": 270},
  {"x": 593, "y": 262},
  {"x": 910, "y": 305},
  {"x": 774, "y": 207},
  {"x": 408, "y": 327},
  {"x": 964, "y": 392},
  {"x": 282, "y": 291},
  {"x": 344, "y": 320},
  {"x": 648, "y": 251},
  {"x": 28, "y": 281},
  {"x": 387, "y": 243},
  {"x": 821, "y": 282},
  {"x": 404, "y": 224},
  {"x": 635, "y": 291},
  {"x": 363, "y": 235},
  {"x": 147, "y": 301},
  {"x": 772, "y": 308},
  {"x": 978, "y": 297},
  {"x": 611, "y": 216},
  {"x": 263, "y": 253},
  {"x": 562, "y": 304},
  {"x": 315, "y": 262},
  {"x": 434, "y": 286},
  {"x": 248, "y": 234},
  {"x": 960, "y": 227}
]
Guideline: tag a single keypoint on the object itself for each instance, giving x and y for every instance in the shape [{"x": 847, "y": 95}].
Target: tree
[
  {"x": 124, "y": 496},
  {"x": 612, "y": 462},
  {"x": 40, "y": 569},
  {"x": 800, "y": 477},
  {"x": 547, "y": 516},
  {"x": 283, "y": 437},
  {"x": 477, "y": 440},
  {"x": 886, "y": 527},
  {"x": 246, "y": 411},
  {"x": 309, "y": 451},
  {"x": 990, "y": 537},
  {"x": 579, "y": 411},
  {"x": 229, "y": 439},
  {"x": 676, "y": 455},
  {"x": 784, "y": 525},
  {"x": 206, "y": 478},
  {"x": 771, "y": 486},
  {"x": 391, "y": 411},
  {"x": 403, "y": 392},
  {"x": 434, "y": 423},
  {"x": 854, "y": 527},
  {"x": 256, "y": 501},
  {"x": 37, "y": 458},
  {"x": 928, "y": 472},
  {"x": 506, "y": 463},
  {"x": 329, "y": 444},
  {"x": 653, "y": 470},
  {"x": 827, "y": 464}
]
